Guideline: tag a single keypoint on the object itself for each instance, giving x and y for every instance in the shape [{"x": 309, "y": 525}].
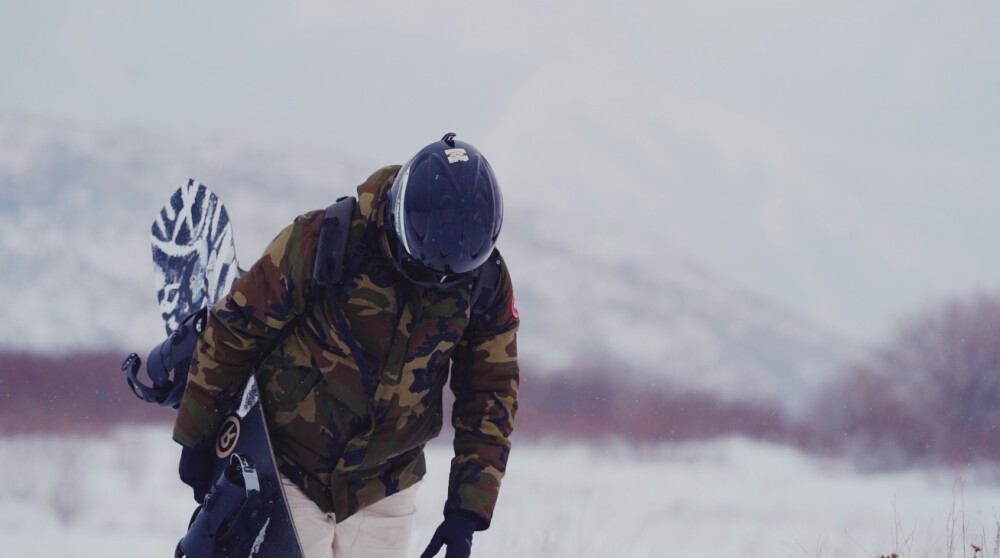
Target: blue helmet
[{"x": 446, "y": 211}]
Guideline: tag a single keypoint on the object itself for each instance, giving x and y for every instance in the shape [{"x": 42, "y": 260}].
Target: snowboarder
[{"x": 351, "y": 373}]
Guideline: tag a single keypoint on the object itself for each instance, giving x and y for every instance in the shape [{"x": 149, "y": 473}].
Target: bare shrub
[
  {"x": 68, "y": 393},
  {"x": 596, "y": 401},
  {"x": 930, "y": 395}
]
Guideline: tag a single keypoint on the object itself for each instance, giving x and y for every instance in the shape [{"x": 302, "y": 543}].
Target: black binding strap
[
  {"x": 168, "y": 363},
  {"x": 232, "y": 517}
]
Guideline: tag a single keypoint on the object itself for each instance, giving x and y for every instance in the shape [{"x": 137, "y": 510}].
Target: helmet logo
[{"x": 456, "y": 155}]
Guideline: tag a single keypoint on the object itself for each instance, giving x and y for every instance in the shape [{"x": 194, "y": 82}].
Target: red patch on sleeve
[{"x": 513, "y": 308}]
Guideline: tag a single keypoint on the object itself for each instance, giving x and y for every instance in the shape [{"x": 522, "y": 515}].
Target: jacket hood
[{"x": 373, "y": 189}]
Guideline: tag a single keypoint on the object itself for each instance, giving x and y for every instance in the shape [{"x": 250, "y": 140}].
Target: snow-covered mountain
[
  {"x": 76, "y": 203},
  {"x": 839, "y": 158}
]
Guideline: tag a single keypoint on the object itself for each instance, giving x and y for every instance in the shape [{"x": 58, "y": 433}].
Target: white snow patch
[{"x": 119, "y": 496}]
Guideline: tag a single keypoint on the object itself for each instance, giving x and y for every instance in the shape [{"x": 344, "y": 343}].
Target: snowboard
[{"x": 244, "y": 514}]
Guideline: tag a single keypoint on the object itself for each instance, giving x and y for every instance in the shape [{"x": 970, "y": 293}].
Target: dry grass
[{"x": 965, "y": 537}]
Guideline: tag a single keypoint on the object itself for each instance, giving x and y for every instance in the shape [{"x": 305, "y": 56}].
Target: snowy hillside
[
  {"x": 76, "y": 205},
  {"x": 696, "y": 191},
  {"x": 114, "y": 497},
  {"x": 837, "y": 158}
]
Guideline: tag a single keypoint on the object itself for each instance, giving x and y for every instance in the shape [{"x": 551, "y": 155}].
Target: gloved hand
[
  {"x": 196, "y": 471},
  {"x": 456, "y": 532}
]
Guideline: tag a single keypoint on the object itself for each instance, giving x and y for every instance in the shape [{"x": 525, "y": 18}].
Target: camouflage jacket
[{"x": 350, "y": 429}]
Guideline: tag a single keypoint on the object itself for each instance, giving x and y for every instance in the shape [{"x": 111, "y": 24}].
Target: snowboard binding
[
  {"x": 168, "y": 363},
  {"x": 233, "y": 517}
]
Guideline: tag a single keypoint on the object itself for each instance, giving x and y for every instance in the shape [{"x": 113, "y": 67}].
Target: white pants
[{"x": 381, "y": 530}]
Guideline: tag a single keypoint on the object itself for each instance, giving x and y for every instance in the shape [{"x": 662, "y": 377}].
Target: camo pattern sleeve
[
  {"x": 485, "y": 378},
  {"x": 240, "y": 328}
]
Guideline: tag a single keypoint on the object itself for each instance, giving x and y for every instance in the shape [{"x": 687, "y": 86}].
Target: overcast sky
[{"x": 840, "y": 158}]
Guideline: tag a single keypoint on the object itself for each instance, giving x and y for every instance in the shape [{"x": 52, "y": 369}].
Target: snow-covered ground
[{"x": 118, "y": 496}]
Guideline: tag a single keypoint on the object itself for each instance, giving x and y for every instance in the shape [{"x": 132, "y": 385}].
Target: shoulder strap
[
  {"x": 328, "y": 274},
  {"x": 486, "y": 286},
  {"x": 332, "y": 248},
  {"x": 328, "y": 267}
]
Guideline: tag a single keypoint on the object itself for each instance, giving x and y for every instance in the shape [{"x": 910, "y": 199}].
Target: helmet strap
[{"x": 385, "y": 234}]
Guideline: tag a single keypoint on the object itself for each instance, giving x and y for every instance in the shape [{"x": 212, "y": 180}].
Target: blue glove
[
  {"x": 196, "y": 471},
  {"x": 456, "y": 532}
]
